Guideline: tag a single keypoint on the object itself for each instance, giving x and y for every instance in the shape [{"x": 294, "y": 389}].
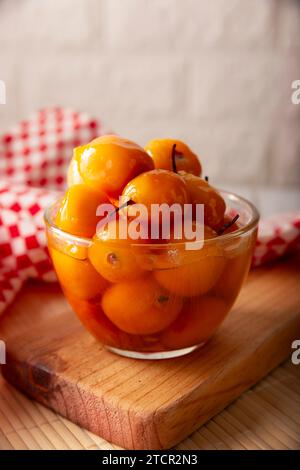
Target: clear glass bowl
[{"x": 154, "y": 301}]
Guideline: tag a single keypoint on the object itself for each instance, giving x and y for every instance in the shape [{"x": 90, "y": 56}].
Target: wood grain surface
[
  {"x": 263, "y": 418},
  {"x": 148, "y": 404}
]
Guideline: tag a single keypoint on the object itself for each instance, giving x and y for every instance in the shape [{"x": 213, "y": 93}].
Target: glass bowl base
[{"x": 154, "y": 355}]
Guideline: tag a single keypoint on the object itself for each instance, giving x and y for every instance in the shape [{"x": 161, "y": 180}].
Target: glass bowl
[{"x": 154, "y": 301}]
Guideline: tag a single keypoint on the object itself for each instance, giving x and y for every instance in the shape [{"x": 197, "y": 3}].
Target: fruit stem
[
  {"x": 117, "y": 209},
  {"x": 163, "y": 298},
  {"x": 206, "y": 179},
  {"x": 174, "y": 158},
  {"x": 228, "y": 224}
]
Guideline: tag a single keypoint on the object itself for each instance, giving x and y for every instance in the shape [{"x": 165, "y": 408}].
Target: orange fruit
[
  {"x": 140, "y": 307},
  {"x": 200, "y": 192},
  {"x": 73, "y": 174},
  {"x": 77, "y": 275},
  {"x": 156, "y": 187},
  {"x": 197, "y": 322},
  {"x": 197, "y": 271},
  {"x": 94, "y": 320},
  {"x": 78, "y": 209},
  {"x": 109, "y": 162},
  {"x": 161, "y": 151},
  {"x": 114, "y": 262}
]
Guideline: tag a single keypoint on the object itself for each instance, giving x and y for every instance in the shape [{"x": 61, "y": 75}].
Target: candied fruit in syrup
[
  {"x": 197, "y": 272},
  {"x": 109, "y": 162},
  {"x": 77, "y": 213},
  {"x": 161, "y": 150},
  {"x": 77, "y": 275},
  {"x": 156, "y": 187},
  {"x": 92, "y": 317},
  {"x": 140, "y": 307},
  {"x": 197, "y": 322},
  {"x": 201, "y": 192},
  {"x": 73, "y": 174},
  {"x": 113, "y": 257},
  {"x": 237, "y": 268},
  {"x": 128, "y": 293}
]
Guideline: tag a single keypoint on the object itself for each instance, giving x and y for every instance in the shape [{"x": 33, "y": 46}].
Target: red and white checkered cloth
[
  {"x": 277, "y": 235},
  {"x": 34, "y": 157}
]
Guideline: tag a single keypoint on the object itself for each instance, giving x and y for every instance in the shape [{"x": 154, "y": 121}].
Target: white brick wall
[{"x": 217, "y": 74}]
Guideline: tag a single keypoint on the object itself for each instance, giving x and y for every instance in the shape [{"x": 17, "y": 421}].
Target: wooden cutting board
[{"x": 148, "y": 404}]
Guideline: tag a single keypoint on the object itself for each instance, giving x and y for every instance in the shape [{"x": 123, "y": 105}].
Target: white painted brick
[
  {"x": 234, "y": 151},
  {"x": 271, "y": 201},
  {"x": 141, "y": 24},
  {"x": 73, "y": 80},
  {"x": 285, "y": 157},
  {"x": 216, "y": 74},
  {"x": 47, "y": 24},
  {"x": 188, "y": 24},
  {"x": 246, "y": 23},
  {"x": 10, "y": 111},
  {"x": 235, "y": 85},
  {"x": 146, "y": 87},
  {"x": 129, "y": 89},
  {"x": 288, "y": 34},
  {"x": 290, "y": 71}
]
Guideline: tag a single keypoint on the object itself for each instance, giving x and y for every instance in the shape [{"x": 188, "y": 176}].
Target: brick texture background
[{"x": 215, "y": 73}]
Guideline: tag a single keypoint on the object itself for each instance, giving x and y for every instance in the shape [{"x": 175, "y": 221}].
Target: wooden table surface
[{"x": 266, "y": 417}]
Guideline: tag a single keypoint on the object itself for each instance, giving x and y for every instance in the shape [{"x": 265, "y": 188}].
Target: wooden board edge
[{"x": 141, "y": 429}]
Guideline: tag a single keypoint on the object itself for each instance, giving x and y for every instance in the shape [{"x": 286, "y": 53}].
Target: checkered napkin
[
  {"x": 34, "y": 157},
  {"x": 277, "y": 235}
]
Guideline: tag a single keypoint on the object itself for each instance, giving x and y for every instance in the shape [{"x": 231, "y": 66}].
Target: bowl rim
[{"x": 86, "y": 242}]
